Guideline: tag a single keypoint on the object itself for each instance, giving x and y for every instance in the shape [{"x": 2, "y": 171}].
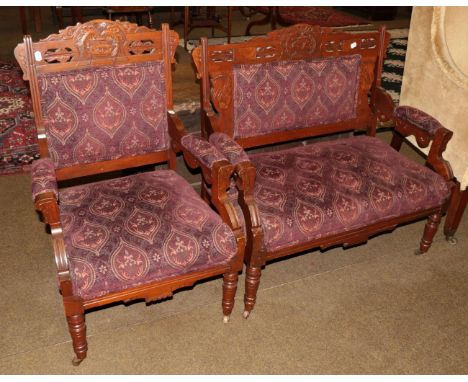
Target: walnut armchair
[
  {"x": 102, "y": 98},
  {"x": 305, "y": 81}
]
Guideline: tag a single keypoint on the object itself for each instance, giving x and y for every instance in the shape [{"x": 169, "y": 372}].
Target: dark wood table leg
[
  {"x": 23, "y": 20},
  {"x": 455, "y": 212}
]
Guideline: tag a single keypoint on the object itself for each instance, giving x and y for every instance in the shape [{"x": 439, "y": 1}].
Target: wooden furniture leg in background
[
  {"x": 455, "y": 211},
  {"x": 36, "y": 12},
  {"x": 196, "y": 18},
  {"x": 115, "y": 12}
]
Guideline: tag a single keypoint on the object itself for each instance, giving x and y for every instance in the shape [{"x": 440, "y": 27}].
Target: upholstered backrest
[
  {"x": 101, "y": 92},
  {"x": 303, "y": 80},
  {"x": 287, "y": 95},
  {"x": 98, "y": 114}
]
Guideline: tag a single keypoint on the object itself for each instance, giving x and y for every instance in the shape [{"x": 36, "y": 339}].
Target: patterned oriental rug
[{"x": 18, "y": 142}]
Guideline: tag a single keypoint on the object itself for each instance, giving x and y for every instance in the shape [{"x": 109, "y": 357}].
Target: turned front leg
[
  {"x": 252, "y": 281},
  {"x": 74, "y": 312},
  {"x": 229, "y": 293},
  {"x": 429, "y": 232},
  {"x": 77, "y": 328}
]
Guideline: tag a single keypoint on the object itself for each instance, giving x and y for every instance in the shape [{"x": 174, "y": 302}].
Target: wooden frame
[
  {"x": 214, "y": 65},
  {"x": 91, "y": 45}
]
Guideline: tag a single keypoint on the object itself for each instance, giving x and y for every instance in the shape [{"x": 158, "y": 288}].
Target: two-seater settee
[{"x": 302, "y": 82}]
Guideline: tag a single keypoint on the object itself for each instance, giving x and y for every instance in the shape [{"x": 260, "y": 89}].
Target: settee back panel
[
  {"x": 288, "y": 95},
  {"x": 217, "y": 66}
]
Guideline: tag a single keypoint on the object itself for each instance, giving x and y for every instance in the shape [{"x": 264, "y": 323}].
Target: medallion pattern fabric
[
  {"x": 288, "y": 95},
  {"x": 43, "y": 177},
  {"x": 18, "y": 142},
  {"x": 326, "y": 188},
  {"x": 201, "y": 149},
  {"x": 418, "y": 118},
  {"x": 93, "y": 115},
  {"x": 130, "y": 231},
  {"x": 229, "y": 147}
]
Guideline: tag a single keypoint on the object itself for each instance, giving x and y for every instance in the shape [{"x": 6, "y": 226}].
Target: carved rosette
[{"x": 299, "y": 42}]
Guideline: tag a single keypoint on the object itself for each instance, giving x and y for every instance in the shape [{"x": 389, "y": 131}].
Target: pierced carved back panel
[
  {"x": 100, "y": 91},
  {"x": 298, "y": 42},
  {"x": 96, "y": 43}
]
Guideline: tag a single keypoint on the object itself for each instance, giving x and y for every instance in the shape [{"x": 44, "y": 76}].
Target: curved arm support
[
  {"x": 412, "y": 121},
  {"x": 46, "y": 204},
  {"x": 382, "y": 105},
  {"x": 245, "y": 183}
]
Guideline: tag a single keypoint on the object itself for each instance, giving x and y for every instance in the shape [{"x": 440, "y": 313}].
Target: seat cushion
[
  {"x": 138, "y": 229},
  {"x": 308, "y": 192}
]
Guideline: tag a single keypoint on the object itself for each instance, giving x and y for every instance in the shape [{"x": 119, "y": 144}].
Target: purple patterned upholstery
[
  {"x": 418, "y": 118},
  {"x": 201, "y": 149},
  {"x": 105, "y": 113},
  {"x": 229, "y": 147},
  {"x": 134, "y": 230},
  {"x": 331, "y": 187},
  {"x": 288, "y": 95},
  {"x": 43, "y": 177}
]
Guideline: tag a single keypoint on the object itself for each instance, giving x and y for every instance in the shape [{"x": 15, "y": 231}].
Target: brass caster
[
  {"x": 246, "y": 314},
  {"x": 226, "y": 319},
  {"x": 418, "y": 252},
  {"x": 76, "y": 361},
  {"x": 452, "y": 240}
]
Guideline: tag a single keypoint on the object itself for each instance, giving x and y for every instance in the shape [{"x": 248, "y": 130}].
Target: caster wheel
[
  {"x": 76, "y": 361},
  {"x": 452, "y": 240},
  {"x": 246, "y": 314},
  {"x": 226, "y": 319},
  {"x": 418, "y": 252}
]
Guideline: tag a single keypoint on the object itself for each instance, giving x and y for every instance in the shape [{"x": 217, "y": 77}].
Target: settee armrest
[
  {"x": 197, "y": 151},
  {"x": 216, "y": 169},
  {"x": 426, "y": 129},
  {"x": 43, "y": 178},
  {"x": 245, "y": 182},
  {"x": 418, "y": 119},
  {"x": 202, "y": 150},
  {"x": 229, "y": 148}
]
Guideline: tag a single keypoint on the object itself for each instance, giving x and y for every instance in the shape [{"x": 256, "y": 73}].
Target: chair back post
[
  {"x": 167, "y": 58},
  {"x": 381, "y": 46},
  {"x": 204, "y": 85},
  {"x": 31, "y": 75}
]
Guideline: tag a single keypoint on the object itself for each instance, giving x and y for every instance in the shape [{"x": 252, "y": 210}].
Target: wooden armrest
[
  {"x": 198, "y": 152},
  {"x": 229, "y": 148},
  {"x": 425, "y": 128},
  {"x": 43, "y": 179},
  {"x": 216, "y": 169}
]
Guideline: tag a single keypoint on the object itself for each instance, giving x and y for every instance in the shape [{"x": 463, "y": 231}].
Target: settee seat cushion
[
  {"x": 331, "y": 187},
  {"x": 135, "y": 230}
]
